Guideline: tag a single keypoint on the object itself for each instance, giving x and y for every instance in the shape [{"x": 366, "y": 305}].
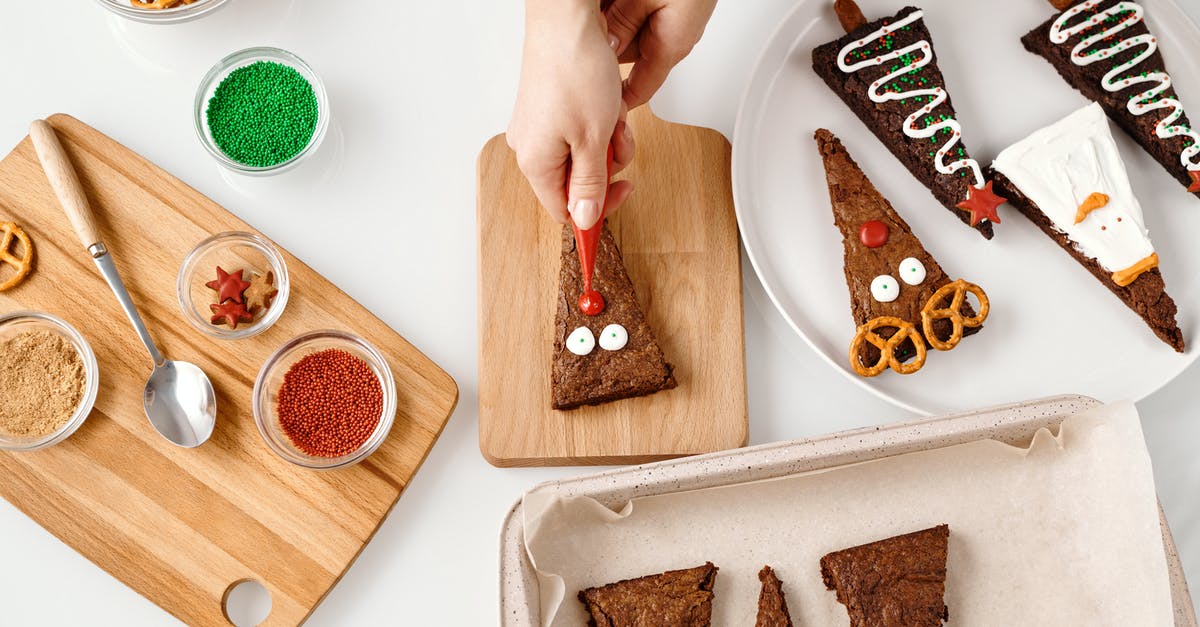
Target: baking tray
[{"x": 1012, "y": 424}]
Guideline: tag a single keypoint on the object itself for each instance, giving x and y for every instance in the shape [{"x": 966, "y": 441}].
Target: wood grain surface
[
  {"x": 679, "y": 238},
  {"x": 182, "y": 526}
]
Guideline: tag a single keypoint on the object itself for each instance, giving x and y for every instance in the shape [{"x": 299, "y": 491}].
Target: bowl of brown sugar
[{"x": 49, "y": 377}]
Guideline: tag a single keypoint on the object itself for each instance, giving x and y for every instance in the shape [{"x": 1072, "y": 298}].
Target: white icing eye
[
  {"x": 613, "y": 337},
  {"x": 581, "y": 341},
  {"x": 885, "y": 289},
  {"x": 912, "y": 271}
]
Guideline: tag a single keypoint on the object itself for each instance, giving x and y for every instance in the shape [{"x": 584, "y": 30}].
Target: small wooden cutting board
[
  {"x": 678, "y": 235},
  {"x": 183, "y": 526}
]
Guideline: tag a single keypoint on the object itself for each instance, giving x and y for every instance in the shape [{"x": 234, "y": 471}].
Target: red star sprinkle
[
  {"x": 229, "y": 286},
  {"x": 1195, "y": 187},
  {"x": 230, "y": 314},
  {"x": 982, "y": 203}
]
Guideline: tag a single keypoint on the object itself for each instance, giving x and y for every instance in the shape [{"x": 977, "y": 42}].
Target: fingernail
[
  {"x": 626, "y": 132},
  {"x": 613, "y": 42},
  {"x": 585, "y": 213}
]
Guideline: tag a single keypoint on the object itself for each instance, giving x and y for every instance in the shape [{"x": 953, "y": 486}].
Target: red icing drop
[
  {"x": 873, "y": 233},
  {"x": 591, "y": 303}
]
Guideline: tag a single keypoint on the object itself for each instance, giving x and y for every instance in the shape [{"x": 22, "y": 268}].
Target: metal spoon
[{"x": 179, "y": 398}]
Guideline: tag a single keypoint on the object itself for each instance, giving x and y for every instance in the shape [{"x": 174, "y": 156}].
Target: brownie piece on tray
[
  {"x": 885, "y": 71},
  {"x": 1104, "y": 49},
  {"x": 897, "y": 582},
  {"x": 676, "y": 598},
  {"x": 894, "y": 283},
  {"x": 610, "y": 356},
  {"x": 1069, "y": 180},
  {"x": 772, "y": 604}
]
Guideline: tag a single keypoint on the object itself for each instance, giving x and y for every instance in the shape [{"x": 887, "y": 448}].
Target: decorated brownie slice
[
  {"x": 676, "y": 598},
  {"x": 900, "y": 297},
  {"x": 1068, "y": 178},
  {"x": 885, "y": 71},
  {"x": 897, "y": 582},
  {"x": 608, "y": 356},
  {"x": 772, "y": 604},
  {"x": 1104, "y": 49}
]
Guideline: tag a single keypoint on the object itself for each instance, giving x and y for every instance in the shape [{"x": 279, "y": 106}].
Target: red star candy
[
  {"x": 982, "y": 203},
  {"x": 230, "y": 314},
  {"x": 229, "y": 286},
  {"x": 1195, "y": 187}
]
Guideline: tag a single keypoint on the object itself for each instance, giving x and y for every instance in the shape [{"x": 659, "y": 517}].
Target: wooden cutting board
[
  {"x": 182, "y": 526},
  {"x": 678, "y": 235}
]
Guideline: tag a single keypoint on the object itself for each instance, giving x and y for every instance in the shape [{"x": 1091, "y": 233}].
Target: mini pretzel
[
  {"x": 23, "y": 263},
  {"x": 158, "y": 4},
  {"x": 887, "y": 347},
  {"x": 931, "y": 312}
]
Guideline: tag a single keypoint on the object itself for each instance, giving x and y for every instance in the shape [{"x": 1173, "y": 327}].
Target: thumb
[{"x": 588, "y": 186}]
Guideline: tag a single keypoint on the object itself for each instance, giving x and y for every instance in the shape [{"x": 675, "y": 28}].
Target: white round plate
[{"x": 1053, "y": 328}]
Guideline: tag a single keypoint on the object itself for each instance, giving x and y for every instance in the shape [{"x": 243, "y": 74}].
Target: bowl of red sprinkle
[{"x": 325, "y": 400}]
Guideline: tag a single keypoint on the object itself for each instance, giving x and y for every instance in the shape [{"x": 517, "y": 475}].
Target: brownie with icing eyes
[
  {"x": 888, "y": 271},
  {"x": 610, "y": 356}
]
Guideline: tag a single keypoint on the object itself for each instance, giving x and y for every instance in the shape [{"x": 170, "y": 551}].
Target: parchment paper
[{"x": 1065, "y": 532}]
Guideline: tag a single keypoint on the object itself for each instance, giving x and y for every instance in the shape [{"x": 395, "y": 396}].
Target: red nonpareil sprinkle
[{"x": 330, "y": 403}]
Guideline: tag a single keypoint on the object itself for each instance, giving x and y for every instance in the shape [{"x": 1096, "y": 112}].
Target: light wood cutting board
[
  {"x": 182, "y": 526},
  {"x": 678, "y": 235}
]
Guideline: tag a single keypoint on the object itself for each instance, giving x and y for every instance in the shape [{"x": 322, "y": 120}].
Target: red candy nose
[
  {"x": 873, "y": 233},
  {"x": 591, "y": 303}
]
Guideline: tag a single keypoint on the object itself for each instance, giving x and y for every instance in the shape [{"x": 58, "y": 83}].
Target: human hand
[
  {"x": 654, "y": 35},
  {"x": 569, "y": 110}
]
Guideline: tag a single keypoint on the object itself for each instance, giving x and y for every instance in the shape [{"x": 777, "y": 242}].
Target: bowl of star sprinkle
[{"x": 261, "y": 111}]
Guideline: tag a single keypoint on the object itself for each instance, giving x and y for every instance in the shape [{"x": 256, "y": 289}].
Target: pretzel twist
[
  {"x": 932, "y": 312},
  {"x": 23, "y": 263},
  {"x": 887, "y": 346}
]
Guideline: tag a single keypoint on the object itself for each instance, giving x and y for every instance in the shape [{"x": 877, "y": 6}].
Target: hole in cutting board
[{"x": 247, "y": 603}]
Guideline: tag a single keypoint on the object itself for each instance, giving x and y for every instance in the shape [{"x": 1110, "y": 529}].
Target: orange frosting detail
[
  {"x": 1128, "y": 275},
  {"x": 1094, "y": 201}
]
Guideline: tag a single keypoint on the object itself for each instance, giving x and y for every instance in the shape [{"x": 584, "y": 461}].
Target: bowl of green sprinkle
[{"x": 261, "y": 111}]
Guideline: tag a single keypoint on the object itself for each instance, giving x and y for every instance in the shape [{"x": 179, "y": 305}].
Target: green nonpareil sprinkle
[{"x": 263, "y": 114}]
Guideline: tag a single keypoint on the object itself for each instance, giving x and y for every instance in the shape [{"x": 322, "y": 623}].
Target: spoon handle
[{"x": 65, "y": 183}]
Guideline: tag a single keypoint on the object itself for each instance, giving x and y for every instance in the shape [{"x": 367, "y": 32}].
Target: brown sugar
[{"x": 41, "y": 383}]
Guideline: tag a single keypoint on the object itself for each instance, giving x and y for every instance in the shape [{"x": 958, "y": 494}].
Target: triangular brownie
[
  {"x": 889, "y": 273},
  {"x": 1104, "y": 49},
  {"x": 676, "y": 598},
  {"x": 772, "y": 605},
  {"x": 1068, "y": 178},
  {"x": 609, "y": 356},
  {"x": 897, "y": 582},
  {"x": 886, "y": 73}
]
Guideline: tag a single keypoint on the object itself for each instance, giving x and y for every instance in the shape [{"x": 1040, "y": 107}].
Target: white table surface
[{"x": 416, "y": 88}]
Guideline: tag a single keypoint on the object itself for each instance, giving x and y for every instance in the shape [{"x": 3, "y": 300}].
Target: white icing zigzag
[
  {"x": 937, "y": 94},
  {"x": 1144, "y": 102}
]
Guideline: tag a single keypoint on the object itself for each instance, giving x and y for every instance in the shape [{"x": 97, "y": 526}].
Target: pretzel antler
[
  {"x": 957, "y": 293},
  {"x": 887, "y": 346}
]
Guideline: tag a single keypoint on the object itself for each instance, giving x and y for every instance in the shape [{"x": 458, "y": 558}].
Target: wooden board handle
[{"x": 64, "y": 181}]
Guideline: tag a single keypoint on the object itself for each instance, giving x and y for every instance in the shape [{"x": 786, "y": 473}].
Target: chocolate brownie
[
  {"x": 637, "y": 369},
  {"x": 772, "y": 605},
  {"x": 886, "y": 119},
  {"x": 1088, "y": 78},
  {"x": 1146, "y": 295},
  {"x": 676, "y": 598},
  {"x": 855, "y": 202},
  {"x": 897, "y": 582}
]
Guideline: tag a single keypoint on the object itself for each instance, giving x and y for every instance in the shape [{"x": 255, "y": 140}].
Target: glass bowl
[
  {"x": 175, "y": 15},
  {"x": 270, "y": 378},
  {"x": 232, "y": 251},
  {"x": 23, "y": 321},
  {"x": 242, "y": 58}
]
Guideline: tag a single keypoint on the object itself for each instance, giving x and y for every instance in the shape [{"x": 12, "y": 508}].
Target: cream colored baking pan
[{"x": 1013, "y": 424}]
